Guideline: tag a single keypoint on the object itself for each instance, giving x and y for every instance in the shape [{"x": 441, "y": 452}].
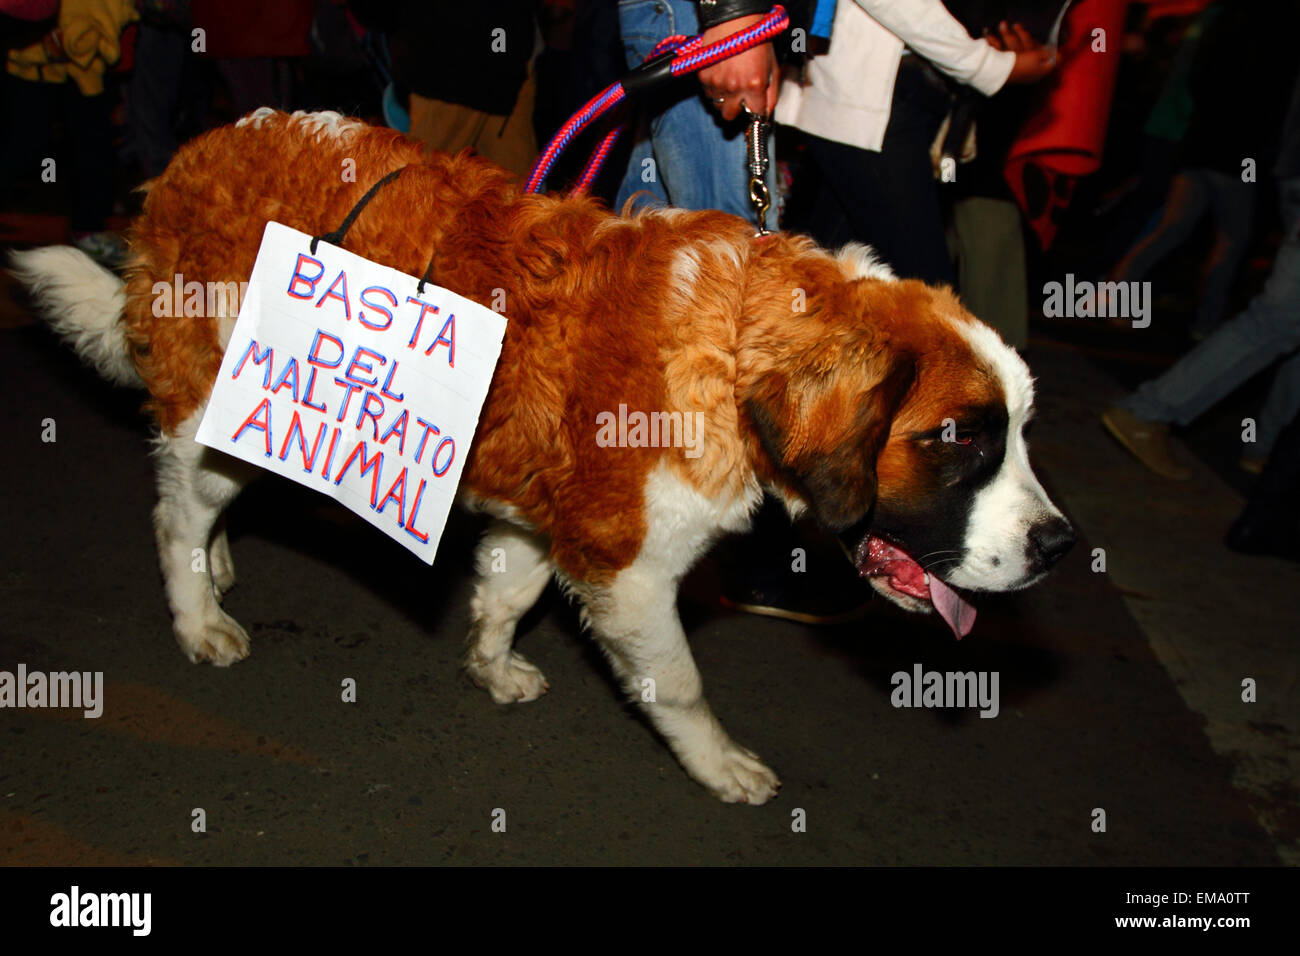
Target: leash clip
[{"x": 756, "y": 163}]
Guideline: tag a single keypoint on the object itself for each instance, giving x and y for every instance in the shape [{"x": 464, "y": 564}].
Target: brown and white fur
[{"x": 835, "y": 407}]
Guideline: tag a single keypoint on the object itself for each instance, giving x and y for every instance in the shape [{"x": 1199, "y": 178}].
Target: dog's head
[{"x": 899, "y": 420}]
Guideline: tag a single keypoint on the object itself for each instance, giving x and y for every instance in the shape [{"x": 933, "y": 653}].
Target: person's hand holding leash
[{"x": 750, "y": 78}]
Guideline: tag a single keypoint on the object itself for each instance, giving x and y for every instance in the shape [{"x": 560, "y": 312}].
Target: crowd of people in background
[{"x": 873, "y": 101}]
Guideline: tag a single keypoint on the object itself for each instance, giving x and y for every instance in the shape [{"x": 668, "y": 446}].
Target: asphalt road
[{"x": 287, "y": 773}]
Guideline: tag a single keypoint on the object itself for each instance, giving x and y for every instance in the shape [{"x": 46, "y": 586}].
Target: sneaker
[{"x": 1147, "y": 441}]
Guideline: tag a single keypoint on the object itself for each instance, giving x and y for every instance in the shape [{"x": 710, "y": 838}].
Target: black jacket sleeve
[{"x": 713, "y": 12}]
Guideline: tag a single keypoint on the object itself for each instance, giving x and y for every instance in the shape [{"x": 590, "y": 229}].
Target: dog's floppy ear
[{"x": 825, "y": 436}]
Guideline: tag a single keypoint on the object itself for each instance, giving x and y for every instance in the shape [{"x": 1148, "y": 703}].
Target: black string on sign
[
  {"x": 428, "y": 273},
  {"x": 336, "y": 237}
]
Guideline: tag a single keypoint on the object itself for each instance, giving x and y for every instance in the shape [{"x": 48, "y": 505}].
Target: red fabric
[
  {"x": 29, "y": 9},
  {"x": 127, "y": 60},
  {"x": 238, "y": 29},
  {"x": 1063, "y": 138},
  {"x": 1174, "y": 8}
]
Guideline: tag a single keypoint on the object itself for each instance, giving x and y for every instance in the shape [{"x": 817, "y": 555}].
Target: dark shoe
[
  {"x": 1250, "y": 534},
  {"x": 1270, "y": 522},
  {"x": 831, "y": 594},
  {"x": 794, "y": 572}
]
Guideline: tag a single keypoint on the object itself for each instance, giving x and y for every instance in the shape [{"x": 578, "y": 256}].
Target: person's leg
[
  {"x": 27, "y": 107},
  {"x": 641, "y": 26},
  {"x": 510, "y": 141},
  {"x": 1280, "y": 407},
  {"x": 1141, "y": 211},
  {"x": 281, "y": 73},
  {"x": 1188, "y": 199},
  {"x": 642, "y": 176},
  {"x": 1234, "y": 215},
  {"x": 890, "y": 197},
  {"x": 1270, "y": 522},
  {"x": 826, "y": 222},
  {"x": 91, "y": 134},
  {"x": 850, "y": 207},
  {"x": 251, "y": 83},
  {"x": 155, "y": 89},
  {"x": 992, "y": 277},
  {"x": 906, "y": 176},
  {"x": 700, "y": 162},
  {"x": 445, "y": 127},
  {"x": 1269, "y": 327}
]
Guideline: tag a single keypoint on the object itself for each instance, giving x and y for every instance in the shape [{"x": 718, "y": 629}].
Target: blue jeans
[
  {"x": 691, "y": 158},
  {"x": 1268, "y": 328}
]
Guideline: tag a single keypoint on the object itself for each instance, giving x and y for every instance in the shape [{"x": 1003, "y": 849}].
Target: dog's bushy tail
[{"x": 83, "y": 302}]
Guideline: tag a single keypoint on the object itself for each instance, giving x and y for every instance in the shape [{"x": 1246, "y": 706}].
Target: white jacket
[{"x": 844, "y": 95}]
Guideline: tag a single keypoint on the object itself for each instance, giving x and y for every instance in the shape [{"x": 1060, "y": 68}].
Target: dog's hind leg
[
  {"x": 195, "y": 484},
  {"x": 513, "y": 569}
]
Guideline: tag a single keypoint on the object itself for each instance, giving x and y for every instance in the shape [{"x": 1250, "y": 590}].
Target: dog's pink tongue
[{"x": 959, "y": 614}]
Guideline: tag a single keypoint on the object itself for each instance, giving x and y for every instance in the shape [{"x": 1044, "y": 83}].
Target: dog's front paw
[
  {"x": 216, "y": 639},
  {"x": 734, "y": 774},
  {"x": 510, "y": 678}
]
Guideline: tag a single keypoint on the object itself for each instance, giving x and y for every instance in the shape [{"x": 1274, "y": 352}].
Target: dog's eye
[
  {"x": 952, "y": 431},
  {"x": 964, "y": 438}
]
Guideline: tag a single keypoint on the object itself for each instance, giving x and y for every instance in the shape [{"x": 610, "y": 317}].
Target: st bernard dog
[{"x": 880, "y": 405}]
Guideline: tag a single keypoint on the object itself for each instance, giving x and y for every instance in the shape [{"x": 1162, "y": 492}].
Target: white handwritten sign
[{"x": 343, "y": 376}]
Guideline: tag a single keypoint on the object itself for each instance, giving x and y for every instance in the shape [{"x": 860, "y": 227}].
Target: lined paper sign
[{"x": 343, "y": 376}]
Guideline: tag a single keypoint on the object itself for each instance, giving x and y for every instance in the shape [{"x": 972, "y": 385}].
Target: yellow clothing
[{"x": 90, "y": 31}]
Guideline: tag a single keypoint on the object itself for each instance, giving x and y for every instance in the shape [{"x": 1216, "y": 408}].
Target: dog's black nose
[{"x": 1049, "y": 541}]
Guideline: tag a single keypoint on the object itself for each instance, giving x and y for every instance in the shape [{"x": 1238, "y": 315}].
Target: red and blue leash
[{"x": 673, "y": 56}]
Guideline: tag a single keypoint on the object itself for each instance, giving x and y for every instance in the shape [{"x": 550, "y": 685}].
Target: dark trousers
[
  {"x": 1275, "y": 499},
  {"x": 83, "y": 156},
  {"x": 889, "y": 199},
  {"x": 155, "y": 93}
]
